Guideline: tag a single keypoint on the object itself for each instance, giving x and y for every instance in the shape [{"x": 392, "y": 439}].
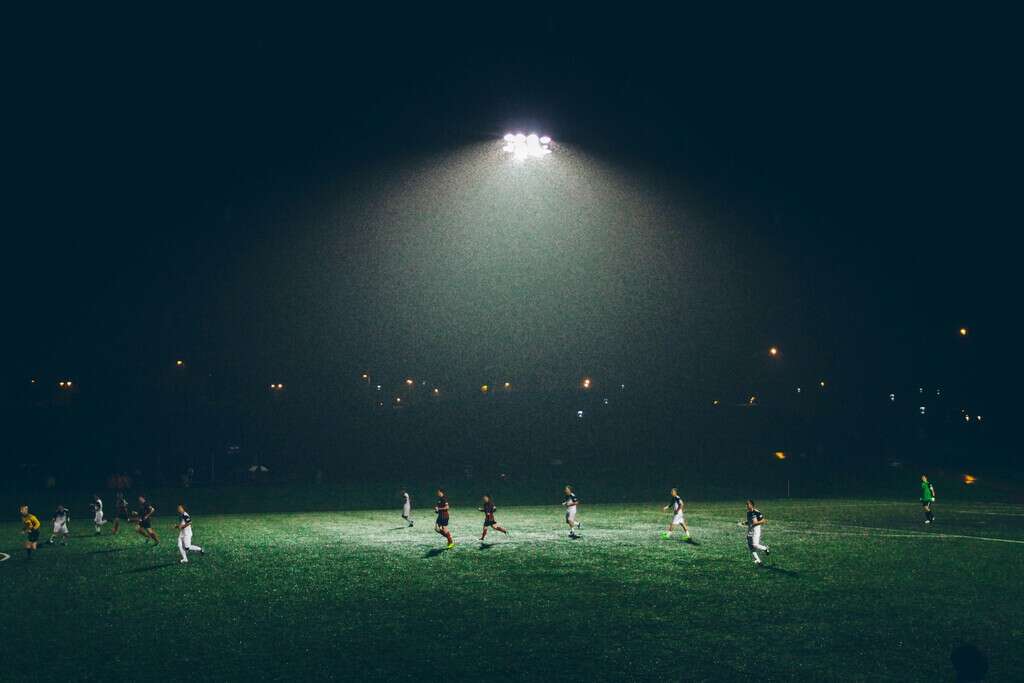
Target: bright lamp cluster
[{"x": 523, "y": 147}]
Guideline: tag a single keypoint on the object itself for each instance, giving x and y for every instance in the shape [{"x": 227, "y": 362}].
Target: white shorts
[
  {"x": 678, "y": 518},
  {"x": 61, "y": 528},
  {"x": 570, "y": 514},
  {"x": 98, "y": 519},
  {"x": 406, "y": 511},
  {"x": 185, "y": 536}
]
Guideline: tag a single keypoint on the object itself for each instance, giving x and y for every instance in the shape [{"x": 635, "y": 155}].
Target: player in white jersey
[
  {"x": 570, "y": 503},
  {"x": 60, "y": 525},
  {"x": 755, "y": 521},
  {"x": 97, "y": 513},
  {"x": 677, "y": 506},
  {"x": 406, "y": 507},
  {"x": 184, "y": 527}
]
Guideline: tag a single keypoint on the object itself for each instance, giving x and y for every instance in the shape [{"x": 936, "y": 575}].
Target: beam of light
[{"x": 523, "y": 147}]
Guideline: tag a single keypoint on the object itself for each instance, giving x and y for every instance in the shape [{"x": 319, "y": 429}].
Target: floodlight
[{"x": 522, "y": 146}]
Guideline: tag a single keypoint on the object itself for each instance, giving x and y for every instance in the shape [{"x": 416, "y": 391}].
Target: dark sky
[{"x": 286, "y": 193}]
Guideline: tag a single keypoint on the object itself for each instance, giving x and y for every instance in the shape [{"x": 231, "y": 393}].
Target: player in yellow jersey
[{"x": 31, "y": 530}]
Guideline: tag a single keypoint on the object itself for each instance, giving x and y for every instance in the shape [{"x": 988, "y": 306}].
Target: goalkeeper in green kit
[{"x": 927, "y": 498}]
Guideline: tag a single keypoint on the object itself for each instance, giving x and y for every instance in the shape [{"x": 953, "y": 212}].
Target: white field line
[{"x": 896, "y": 533}]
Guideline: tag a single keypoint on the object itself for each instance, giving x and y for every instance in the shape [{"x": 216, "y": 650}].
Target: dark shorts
[
  {"x": 441, "y": 521},
  {"x": 145, "y": 523},
  {"x": 489, "y": 522},
  {"x": 33, "y": 536},
  {"x": 926, "y": 503}
]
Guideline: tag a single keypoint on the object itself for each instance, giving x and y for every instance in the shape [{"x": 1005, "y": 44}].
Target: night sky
[{"x": 306, "y": 196}]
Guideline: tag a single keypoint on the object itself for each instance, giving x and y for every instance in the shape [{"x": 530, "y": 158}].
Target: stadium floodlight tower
[{"x": 523, "y": 147}]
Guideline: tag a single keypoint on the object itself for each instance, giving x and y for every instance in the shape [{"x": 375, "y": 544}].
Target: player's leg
[
  {"x": 483, "y": 534},
  {"x": 117, "y": 525},
  {"x": 182, "y": 547},
  {"x": 498, "y": 527},
  {"x": 152, "y": 534}
]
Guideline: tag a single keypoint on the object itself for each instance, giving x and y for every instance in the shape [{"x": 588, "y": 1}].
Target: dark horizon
[{"x": 278, "y": 199}]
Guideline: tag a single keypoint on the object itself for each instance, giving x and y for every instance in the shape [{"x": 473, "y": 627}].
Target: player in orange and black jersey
[
  {"x": 488, "y": 509},
  {"x": 441, "y": 523}
]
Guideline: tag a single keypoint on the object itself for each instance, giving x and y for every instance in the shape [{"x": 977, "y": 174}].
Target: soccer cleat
[
  {"x": 927, "y": 521},
  {"x": 451, "y": 545},
  {"x": 183, "y": 561},
  {"x": 666, "y": 535},
  {"x": 579, "y": 525},
  {"x": 410, "y": 522},
  {"x": 767, "y": 550}
]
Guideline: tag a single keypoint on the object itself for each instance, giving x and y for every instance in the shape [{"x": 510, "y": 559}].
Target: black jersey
[{"x": 753, "y": 516}]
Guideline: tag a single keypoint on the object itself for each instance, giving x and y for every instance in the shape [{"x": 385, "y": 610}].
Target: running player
[
  {"x": 488, "y": 510},
  {"x": 755, "y": 520},
  {"x": 441, "y": 524},
  {"x": 570, "y": 503},
  {"x": 60, "y": 525},
  {"x": 145, "y": 528},
  {"x": 97, "y": 512},
  {"x": 122, "y": 512},
  {"x": 31, "y": 530},
  {"x": 677, "y": 506},
  {"x": 184, "y": 527},
  {"x": 406, "y": 507},
  {"x": 927, "y": 498}
]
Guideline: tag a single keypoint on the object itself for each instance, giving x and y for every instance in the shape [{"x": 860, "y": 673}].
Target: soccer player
[
  {"x": 570, "y": 503},
  {"x": 406, "y": 507},
  {"x": 441, "y": 524},
  {"x": 31, "y": 530},
  {"x": 122, "y": 512},
  {"x": 755, "y": 520},
  {"x": 488, "y": 510},
  {"x": 184, "y": 527},
  {"x": 97, "y": 512},
  {"x": 677, "y": 506},
  {"x": 60, "y": 525},
  {"x": 145, "y": 528},
  {"x": 927, "y": 498}
]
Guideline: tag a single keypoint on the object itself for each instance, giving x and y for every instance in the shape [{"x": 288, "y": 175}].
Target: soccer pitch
[{"x": 853, "y": 590}]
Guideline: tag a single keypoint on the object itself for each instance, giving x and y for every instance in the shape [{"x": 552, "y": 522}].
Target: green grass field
[{"x": 855, "y": 590}]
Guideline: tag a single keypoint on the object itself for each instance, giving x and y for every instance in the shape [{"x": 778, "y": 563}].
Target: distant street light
[
  {"x": 64, "y": 384},
  {"x": 773, "y": 351},
  {"x": 179, "y": 363},
  {"x": 585, "y": 383},
  {"x": 409, "y": 381},
  {"x": 963, "y": 331},
  {"x": 484, "y": 388},
  {"x": 276, "y": 387}
]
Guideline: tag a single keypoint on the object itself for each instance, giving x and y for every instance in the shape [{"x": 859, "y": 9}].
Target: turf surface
[{"x": 854, "y": 590}]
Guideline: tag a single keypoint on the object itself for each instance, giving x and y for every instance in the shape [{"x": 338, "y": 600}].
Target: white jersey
[
  {"x": 570, "y": 506},
  {"x": 60, "y": 522},
  {"x": 97, "y": 509},
  {"x": 677, "y": 510},
  {"x": 406, "y": 503}
]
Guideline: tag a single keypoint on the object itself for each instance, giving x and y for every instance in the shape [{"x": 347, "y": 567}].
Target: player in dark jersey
[
  {"x": 60, "y": 525},
  {"x": 677, "y": 506},
  {"x": 755, "y": 521},
  {"x": 488, "y": 509},
  {"x": 184, "y": 527},
  {"x": 122, "y": 512},
  {"x": 441, "y": 523},
  {"x": 146, "y": 512},
  {"x": 570, "y": 503}
]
